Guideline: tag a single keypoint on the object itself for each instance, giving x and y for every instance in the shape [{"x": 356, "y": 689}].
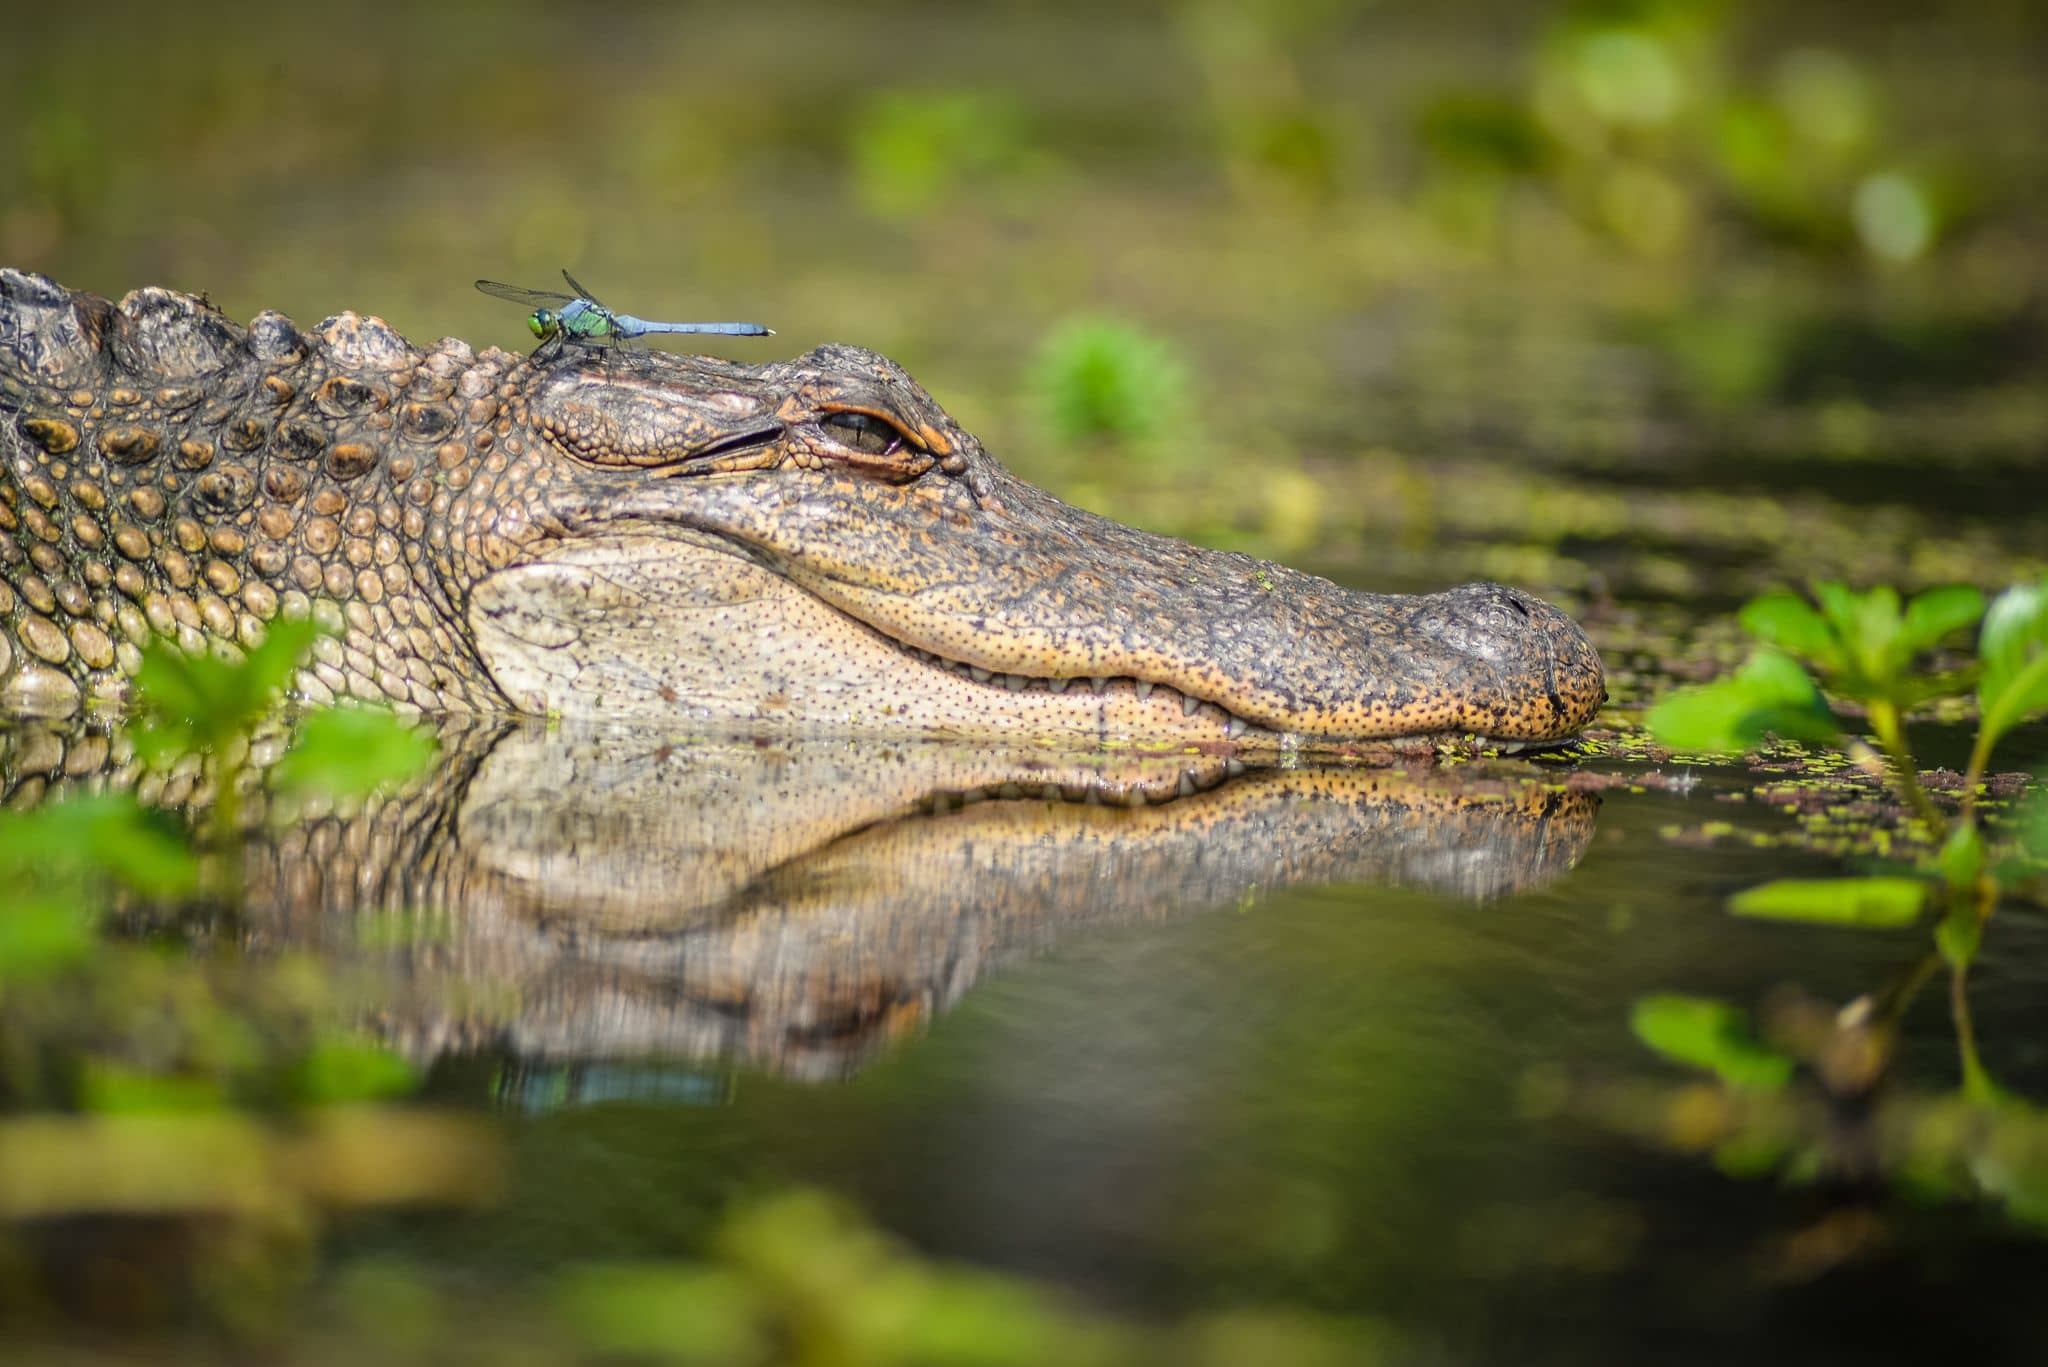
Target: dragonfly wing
[
  {"x": 517, "y": 295},
  {"x": 580, "y": 291}
]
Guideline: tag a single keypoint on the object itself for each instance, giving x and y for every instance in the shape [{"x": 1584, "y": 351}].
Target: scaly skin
[{"x": 811, "y": 543}]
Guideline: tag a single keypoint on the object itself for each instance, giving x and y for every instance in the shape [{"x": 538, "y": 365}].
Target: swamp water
[{"x": 1341, "y": 1050}]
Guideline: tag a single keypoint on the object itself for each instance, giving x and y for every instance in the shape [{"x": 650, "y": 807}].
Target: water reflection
[{"x": 574, "y": 895}]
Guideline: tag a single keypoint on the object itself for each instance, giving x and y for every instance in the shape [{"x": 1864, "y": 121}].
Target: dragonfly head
[{"x": 543, "y": 323}]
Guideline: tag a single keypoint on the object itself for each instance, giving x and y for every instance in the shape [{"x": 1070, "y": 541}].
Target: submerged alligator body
[{"x": 811, "y": 542}]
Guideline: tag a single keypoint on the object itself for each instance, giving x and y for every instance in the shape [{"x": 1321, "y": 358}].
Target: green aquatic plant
[
  {"x": 207, "y": 705},
  {"x": 67, "y": 858},
  {"x": 1100, "y": 381},
  {"x": 1867, "y": 649},
  {"x": 225, "y": 1091}
]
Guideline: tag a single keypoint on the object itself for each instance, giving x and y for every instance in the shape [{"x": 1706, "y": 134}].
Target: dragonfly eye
[
  {"x": 862, "y": 432},
  {"x": 541, "y": 322}
]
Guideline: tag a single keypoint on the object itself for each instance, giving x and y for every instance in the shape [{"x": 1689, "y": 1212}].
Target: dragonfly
[{"x": 581, "y": 318}]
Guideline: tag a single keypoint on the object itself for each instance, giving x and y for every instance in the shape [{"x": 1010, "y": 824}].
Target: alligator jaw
[
  {"x": 962, "y": 607},
  {"x": 663, "y": 624},
  {"x": 680, "y": 621}
]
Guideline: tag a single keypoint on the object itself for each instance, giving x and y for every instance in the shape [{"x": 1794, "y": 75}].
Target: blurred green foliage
[
  {"x": 1868, "y": 903},
  {"x": 351, "y": 752},
  {"x": 1106, "y": 383},
  {"x": 138, "y": 1082},
  {"x": 189, "y": 702},
  {"x": 59, "y": 860},
  {"x": 912, "y": 150},
  {"x": 1703, "y": 1033},
  {"x": 1639, "y": 120},
  {"x": 800, "y": 1278}
]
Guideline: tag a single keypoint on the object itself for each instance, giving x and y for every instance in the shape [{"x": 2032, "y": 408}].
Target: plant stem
[
  {"x": 1901, "y": 997},
  {"x": 1961, "y": 953},
  {"x": 1977, "y": 1083},
  {"x": 225, "y": 831},
  {"x": 1980, "y": 759},
  {"x": 1905, "y": 774}
]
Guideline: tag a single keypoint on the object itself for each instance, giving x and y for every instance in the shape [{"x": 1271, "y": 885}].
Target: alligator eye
[{"x": 862, "y": 432}]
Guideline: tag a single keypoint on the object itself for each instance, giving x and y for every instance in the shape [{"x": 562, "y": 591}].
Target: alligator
[
  {"x": 794, "y": 903},
  {"x": 811, "y": 543}
]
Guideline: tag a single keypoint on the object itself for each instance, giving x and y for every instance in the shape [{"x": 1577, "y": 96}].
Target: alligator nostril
[{"x": 1516, "y": 604}]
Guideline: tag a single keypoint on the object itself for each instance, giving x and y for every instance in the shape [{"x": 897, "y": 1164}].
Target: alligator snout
[
  {"x": 1491, "y": 621},
  {"x": 1529, "y": 672}
]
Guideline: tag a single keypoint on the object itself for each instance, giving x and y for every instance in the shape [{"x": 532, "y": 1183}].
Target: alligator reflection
[{"x": 575, "y": 896}]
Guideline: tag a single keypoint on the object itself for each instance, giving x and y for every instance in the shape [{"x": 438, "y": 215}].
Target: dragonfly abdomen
[{"x": 633, "y": 327}]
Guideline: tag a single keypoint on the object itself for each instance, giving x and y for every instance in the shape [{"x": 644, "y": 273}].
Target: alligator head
[{"x": 811, "y": 542}]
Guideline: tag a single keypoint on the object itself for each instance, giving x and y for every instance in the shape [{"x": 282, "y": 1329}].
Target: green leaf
[
  {"x": 352, "y": 751},
  {"x": 1868, "y": 903},
  {"x": 1962, "y": 858},
  {"x": 108, "y": 833},
  {"x": 342, "y": 1069},
  {"x": 197, "y": 702},
  {"x": 1958, "y": 936},
  {"x": 1786, "y": 621},
  {"x": 1701, "y": 1032},
  {"x": 1875, "y": 641},
  {"x": 45, "y": 933},
  {"x": 1915, "y": 689},
  {"x": 1937, "y": 612},
  {"x": 1861, "y": 623},
  {"x": 269, "y": 667},
  {"x": 1770, "y": 695},
  {"x": 2014, "y": 649}
]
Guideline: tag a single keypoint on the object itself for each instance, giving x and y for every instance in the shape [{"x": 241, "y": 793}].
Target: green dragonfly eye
[{"x": 541, "y": 321}]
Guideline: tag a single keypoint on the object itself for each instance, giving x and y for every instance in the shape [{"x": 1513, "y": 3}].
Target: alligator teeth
[
  {"x": 1100, "y": 683},
  {"x": 1188, "y": 704},
  {"x": 1233, "y": 767},
  {"x": 1144, "y": 687},
  {"x": 1014, "y": 682},
  {"x": 981, "y": 675},
  {"x": 1050, "y": 792},
  {"x": 1135, "y": 797},
  {"x": 1009, "y": 790},
  {"x": 1058, "y": 685},
  {"x": 1236, "y": 728},
  {"x": 973, "y": 795},
  {"x": 1187, "y": 783}
]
